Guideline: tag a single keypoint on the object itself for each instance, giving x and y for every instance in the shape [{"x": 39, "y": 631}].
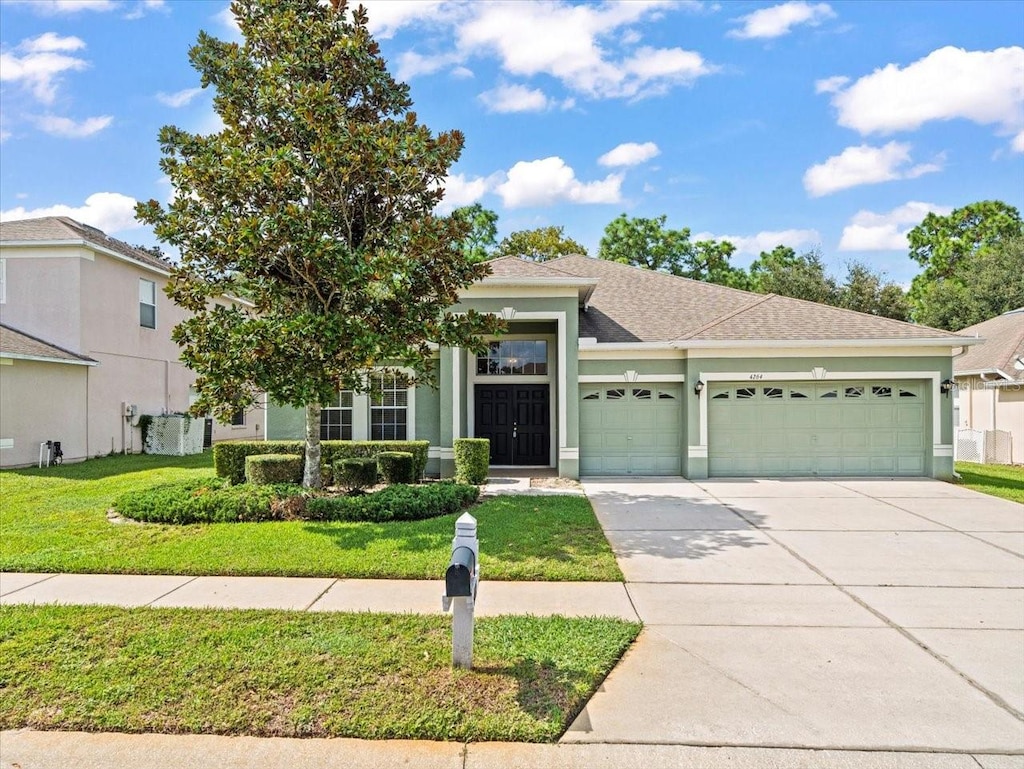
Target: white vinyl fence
[{"x": 986, "y": 447}]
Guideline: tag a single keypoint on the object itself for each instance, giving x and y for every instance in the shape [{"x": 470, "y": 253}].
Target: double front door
[{"x": 517, "y": 421}]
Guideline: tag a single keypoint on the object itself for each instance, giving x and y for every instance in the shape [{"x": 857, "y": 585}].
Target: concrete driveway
[{"x": 847, "y": 614}]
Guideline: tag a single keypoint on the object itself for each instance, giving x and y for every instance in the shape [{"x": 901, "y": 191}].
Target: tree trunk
[{"x": 311, "y": 473}]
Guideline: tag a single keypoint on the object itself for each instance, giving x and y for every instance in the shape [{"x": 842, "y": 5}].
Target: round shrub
[
  {"x": 261, "y": 469},
  {"x": 356, "y": 473},
  {"x": 472, "y": 460},
  {"x": 212, "y": 500},
  {"x": 396, "y": 466}
]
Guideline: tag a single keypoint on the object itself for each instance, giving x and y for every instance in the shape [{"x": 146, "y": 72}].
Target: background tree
[
  {"x": 482, "y": 235},
  {"x": 867, "y": 291},
  {"x": 318, "y": 193},
  {"x": 952, "y": 249},
  {"x": 648, "y": 243},
  {"x": 539, "y": 244},
  {"x": 782, "y": 271},
  {"x": 993, "y": 284}
]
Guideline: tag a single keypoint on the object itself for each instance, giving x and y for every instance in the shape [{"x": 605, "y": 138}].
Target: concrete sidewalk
[{"x": 570, "y": 599}]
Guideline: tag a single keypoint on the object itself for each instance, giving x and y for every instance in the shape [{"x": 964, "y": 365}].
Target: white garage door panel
[
  {"x": 835, "y": 428},
  {"x": 634, "y": 430}
]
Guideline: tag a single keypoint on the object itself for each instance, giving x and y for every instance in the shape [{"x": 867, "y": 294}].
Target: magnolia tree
[{"x": 314, "y": 202}]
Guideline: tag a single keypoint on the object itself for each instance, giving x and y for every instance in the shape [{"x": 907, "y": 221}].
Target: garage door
[
  {"x": 635, "y": 430},
  {"x": 834, "y": 428}
]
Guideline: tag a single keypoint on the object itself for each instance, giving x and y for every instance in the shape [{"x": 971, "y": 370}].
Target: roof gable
[
  {"x": 1003, "y": 345},
  {"x": 55, "y": 229}
]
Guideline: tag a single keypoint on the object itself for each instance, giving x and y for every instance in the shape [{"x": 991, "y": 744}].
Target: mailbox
[{"x": 459, "y": 580}]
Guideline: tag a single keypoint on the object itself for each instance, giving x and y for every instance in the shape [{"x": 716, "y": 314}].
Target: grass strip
[
  {"x": 274, "y": 673},
  {"x": 54, "y": 520},
  {"x": 1006, "y": 481}
]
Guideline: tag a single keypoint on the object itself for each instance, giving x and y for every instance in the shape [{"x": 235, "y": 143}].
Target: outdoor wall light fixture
[
  {"x": 946, "y": 386},
  {"x": 698, "y": 388}
]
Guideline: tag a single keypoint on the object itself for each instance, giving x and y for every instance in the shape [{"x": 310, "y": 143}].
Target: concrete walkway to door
[{"x": 878, "y": 615}]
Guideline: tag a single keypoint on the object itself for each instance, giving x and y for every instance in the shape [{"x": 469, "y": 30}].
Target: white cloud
[
  {"x": 548, "y": 181},
  {"x": 4, "y": 134},
  {"x": 70, "y": 129},
  {"x": 462, "y": 191},
  {"x": 462, "y": 73},
  {"x": 830, "y": 84},
  {"x": 38, "y": 62},
  {"x": 109, "y": 211},
  {"x": 412, "y": 64},
  {"x": 779, "y": 20},
  {"x": 385, "y": 17},
  {"x": 865, "y": 165},
  {"x": 765, "y": 240},
  {"x": 178, "y": 98},
  {"x": 229, "y": 23},
  {"x": 514, "y": 98},
  {"x": 55, "y": 7},
  {"x": 565, "y": 42},
  {"x": 1017, "y": 145},
  {"x": 144, "y": 7},
  {"x": 629, "y": 154},
  {"x": 868, "y": 231},
  {"x": 985, "y": 87}
]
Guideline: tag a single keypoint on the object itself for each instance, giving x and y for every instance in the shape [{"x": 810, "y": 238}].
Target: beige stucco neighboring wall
[
  {"x": 43, "y": 293},
  {"x": 993, "y": 408},
  {"x": 61, "y": 391},
  {"x": 88, "y": 302}
]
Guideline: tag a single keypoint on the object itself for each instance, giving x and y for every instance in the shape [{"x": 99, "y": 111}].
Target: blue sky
[{"x": 834, "y": 125}]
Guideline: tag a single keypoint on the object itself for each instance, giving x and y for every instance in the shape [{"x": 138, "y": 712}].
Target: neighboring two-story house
[{"x": 85, "y": 335}]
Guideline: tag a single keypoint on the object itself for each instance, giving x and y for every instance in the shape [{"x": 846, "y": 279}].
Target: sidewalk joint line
[
  {"x": 30, "y": 584},
  {"x": 323, "y": 592},
  {"x": 178, "y": 587}
]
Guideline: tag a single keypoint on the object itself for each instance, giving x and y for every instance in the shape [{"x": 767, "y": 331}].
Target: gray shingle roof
[
  {"x": 631, "y": 304},
  {"x": 18, "y": 343},
  {"x": 1004, "y": 344},
  {"x": 514, "y": 267},
  {"x": 58, "y": 228}
]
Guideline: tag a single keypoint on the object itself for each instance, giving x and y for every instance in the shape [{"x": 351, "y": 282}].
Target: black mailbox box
[{"x": 458, "y": 580}]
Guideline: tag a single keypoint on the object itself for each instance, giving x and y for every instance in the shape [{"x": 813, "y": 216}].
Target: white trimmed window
[
  {"x": 336, "y": 418},
  {"x": 238, "y": 418},
  {"x": 389, "y": 408},
  {"x": 147, "y": 303}
]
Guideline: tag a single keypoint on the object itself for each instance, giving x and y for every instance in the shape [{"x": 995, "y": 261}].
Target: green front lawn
[
  {"x": 297, "y": 674},
  {"x": 1006, "y": 481},
  {"x": 54, "y": 520}
]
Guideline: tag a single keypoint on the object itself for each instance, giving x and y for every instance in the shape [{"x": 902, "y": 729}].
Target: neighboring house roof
[
  {"x": 1003, "y": 346},
  {"x": 632, "y": 304},
  {"x": 19, "y": 345},
  {"x": 63, "y": 229}
]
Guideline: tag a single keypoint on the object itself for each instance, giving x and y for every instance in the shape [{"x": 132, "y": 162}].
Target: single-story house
[
  {"x": 608, "y": 369},
  {"x": 990, "y": 380}
]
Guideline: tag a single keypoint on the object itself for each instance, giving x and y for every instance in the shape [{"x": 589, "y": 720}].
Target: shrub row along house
[
  {"x": 608, "y": 369},
  {"x": 85, "y": 344}
]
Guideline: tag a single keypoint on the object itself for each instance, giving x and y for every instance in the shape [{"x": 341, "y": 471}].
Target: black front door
[{"x": 517, "y": 421}]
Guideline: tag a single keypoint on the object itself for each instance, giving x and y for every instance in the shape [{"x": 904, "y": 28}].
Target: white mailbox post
[{"x": 460, "y": 582}]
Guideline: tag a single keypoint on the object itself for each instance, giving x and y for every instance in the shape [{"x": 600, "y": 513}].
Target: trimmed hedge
[
  {"x": 472, "y": 460},
  {"x": 356, "y": 473},
  {"x": 262, "y": 469},
  {"x": 211, "y": 500},
  {"x": 396, "y": 466},
  {"x": 395, "y": 503},
  {"x": 229, "y": 458}
]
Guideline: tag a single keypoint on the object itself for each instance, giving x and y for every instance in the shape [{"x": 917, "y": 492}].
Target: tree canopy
[
  {"x": 482, "y": 234},
  {"x": 539, "y": 244},
  {"x": 648, "y": 243},
  {"x": 318, "y": 197},
  {"x": 972, "y": 264}
]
